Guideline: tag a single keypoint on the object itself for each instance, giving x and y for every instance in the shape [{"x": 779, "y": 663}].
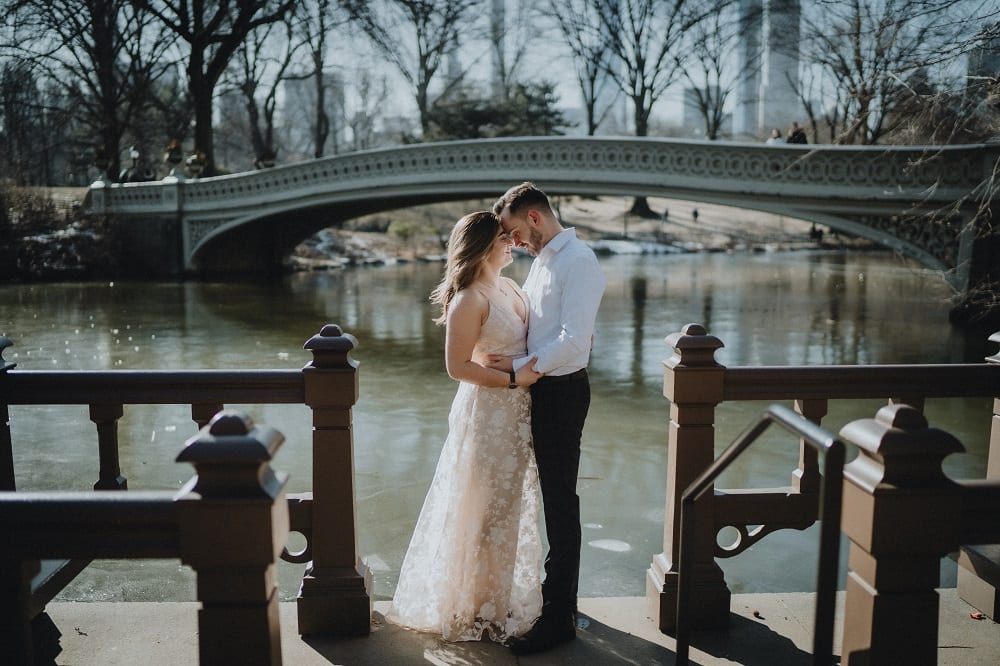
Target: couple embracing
[{"x": 474, "y": 564}]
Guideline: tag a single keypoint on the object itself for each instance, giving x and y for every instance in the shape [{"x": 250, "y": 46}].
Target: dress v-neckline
[{"x": 523, "y": 320}]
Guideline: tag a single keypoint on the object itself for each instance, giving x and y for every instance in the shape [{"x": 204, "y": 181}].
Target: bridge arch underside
[{"x": 259, "y": 241}]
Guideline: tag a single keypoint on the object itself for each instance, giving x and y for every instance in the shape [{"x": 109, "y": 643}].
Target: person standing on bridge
[
  {"x": 797, "y": 134},
  {"x": 564, "y": 286},
  {"x": 474, "y": 563}
]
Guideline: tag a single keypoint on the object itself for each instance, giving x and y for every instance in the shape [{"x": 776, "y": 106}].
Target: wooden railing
[
  {"x": 229, "y": 523},
  {"x": 335, "y": 596},
  {"x": 695, "y": 384}
]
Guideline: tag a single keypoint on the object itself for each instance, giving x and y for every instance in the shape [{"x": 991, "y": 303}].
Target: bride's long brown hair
[{"x": 468, "y": 245}]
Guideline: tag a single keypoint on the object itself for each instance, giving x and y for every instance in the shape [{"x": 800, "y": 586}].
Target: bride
[{"x": 474, "y": 561}]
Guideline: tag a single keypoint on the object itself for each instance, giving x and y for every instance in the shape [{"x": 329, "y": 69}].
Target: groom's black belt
[{"x": 556, "y": 379}]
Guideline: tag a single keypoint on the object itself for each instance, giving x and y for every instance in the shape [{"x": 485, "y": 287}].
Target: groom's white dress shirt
[{"x": 564, "y": 288}]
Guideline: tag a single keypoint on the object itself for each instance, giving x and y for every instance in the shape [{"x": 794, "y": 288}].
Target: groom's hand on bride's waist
[{"x": 495, "y": 361}]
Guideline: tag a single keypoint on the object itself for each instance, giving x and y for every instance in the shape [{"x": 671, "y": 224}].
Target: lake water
[{"x": 768, "y": 309}]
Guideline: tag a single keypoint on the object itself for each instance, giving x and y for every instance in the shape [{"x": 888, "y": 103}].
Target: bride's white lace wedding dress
[{"x": 474, "y": 562}]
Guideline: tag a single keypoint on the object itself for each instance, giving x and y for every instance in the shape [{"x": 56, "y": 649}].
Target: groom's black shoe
[{"x": 547, "y": 632}]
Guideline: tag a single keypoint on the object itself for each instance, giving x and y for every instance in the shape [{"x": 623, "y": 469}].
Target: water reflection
[{"x": 769, "y": 309}]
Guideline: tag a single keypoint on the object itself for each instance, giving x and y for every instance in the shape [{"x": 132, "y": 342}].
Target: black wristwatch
[{"x": 513, "y": 380}]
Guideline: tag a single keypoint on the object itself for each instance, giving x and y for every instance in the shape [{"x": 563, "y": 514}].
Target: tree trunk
[
  {"x": 200, "y": 89},
  {"x": 640, "y": 207},
  {"x": 322, "y": 119}
]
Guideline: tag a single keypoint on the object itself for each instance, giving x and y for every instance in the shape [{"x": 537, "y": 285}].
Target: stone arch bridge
[{"x": 921, "y": 201}]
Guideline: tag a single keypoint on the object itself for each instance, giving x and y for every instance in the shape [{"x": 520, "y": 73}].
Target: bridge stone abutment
[{"x": 150, "y": 246}]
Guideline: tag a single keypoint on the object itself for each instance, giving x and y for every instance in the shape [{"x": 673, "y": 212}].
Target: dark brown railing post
[
  {"x": 106, "y": 417},
  {"x": 202, "y": 413},
  {"x": 233, "y": 524},
  {"x": 693, "y": 383},
  {"x": 980, "y": 593},
  {"x": 902, "y": 515},
  {"x": 6, "y": 444},
  {"x": 335, "y": 597}
]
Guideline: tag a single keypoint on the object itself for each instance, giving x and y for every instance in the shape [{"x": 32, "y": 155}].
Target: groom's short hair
[{"x": 519, "y": 197}]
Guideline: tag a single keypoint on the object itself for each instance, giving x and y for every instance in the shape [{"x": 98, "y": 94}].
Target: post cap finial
[
  {"x": 331, "y": 348},
  {"x": 231, "y": 456},
  {"x": 907, "y": 451},
  {"x": 693, "y": 347},
  {"x": 227, "y": 423}
]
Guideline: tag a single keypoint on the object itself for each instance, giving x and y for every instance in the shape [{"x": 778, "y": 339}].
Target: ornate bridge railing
[
  {"x": 915, "y": 199},
  {"x": 696, "y": 385},
  {"x": 335, "y": 596}
]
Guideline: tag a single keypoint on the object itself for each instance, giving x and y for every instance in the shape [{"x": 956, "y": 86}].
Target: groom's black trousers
[{"x": 559, "y": 408}]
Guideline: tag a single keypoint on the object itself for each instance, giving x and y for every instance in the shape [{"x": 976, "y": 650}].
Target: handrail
[
  {"x": 69, "y": 387},
  {"x": 835, "y": 382},
  {"x": 829, "y": 551}
]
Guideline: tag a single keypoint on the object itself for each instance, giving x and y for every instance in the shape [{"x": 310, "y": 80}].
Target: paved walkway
[{"x": 766, "y": 630}]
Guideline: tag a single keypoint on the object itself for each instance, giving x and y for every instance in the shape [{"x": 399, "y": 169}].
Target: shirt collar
[{"x": 559, "y": 241}]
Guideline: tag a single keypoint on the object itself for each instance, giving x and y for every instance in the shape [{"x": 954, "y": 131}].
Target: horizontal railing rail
[
  {"x": 52, "y": 525},
  {"x": 829, "y": 502},
  {"x": 134, "y": 387},
  {"x": 832, "y": 382}
]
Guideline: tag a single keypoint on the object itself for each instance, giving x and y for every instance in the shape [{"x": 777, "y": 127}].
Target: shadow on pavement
[
  {"x": 750, "y": 643},
  {"x": 595, "y": 644}
]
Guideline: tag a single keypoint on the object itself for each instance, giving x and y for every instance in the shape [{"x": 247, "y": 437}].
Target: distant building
[
  {"x": 746, "y": 118},
  {"x": 769, "y": 66}
]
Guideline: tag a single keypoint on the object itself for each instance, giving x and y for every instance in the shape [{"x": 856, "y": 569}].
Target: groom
[{"x": 564, "y": 288}]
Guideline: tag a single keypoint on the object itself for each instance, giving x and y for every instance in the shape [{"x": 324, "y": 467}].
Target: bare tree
[
  {"x": 647, "y": 53},
  {"x": 372, "y": 93},
  {"x": 509, "y": 38},
  {"x": 707, "y": 64},
  {"x": 590, "y": 47},
  {"x": 104, "y": 53},
  {"x": 261, "y": 64},
  {"x": 416, "y": 36},
  {"x": 647, "y": 47},
  {"x": 867, "y": 51},
  {"x": 213, "y": 32},
  {"x": 22, "y": 128},
  {"x": 317, "y": 20}
]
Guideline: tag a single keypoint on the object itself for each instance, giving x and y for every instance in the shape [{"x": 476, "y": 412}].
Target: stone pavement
[{"x": 765, "y": 630}]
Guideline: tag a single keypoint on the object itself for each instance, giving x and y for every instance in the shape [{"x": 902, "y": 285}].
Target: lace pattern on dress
[{"x": 474, "y": 562}]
